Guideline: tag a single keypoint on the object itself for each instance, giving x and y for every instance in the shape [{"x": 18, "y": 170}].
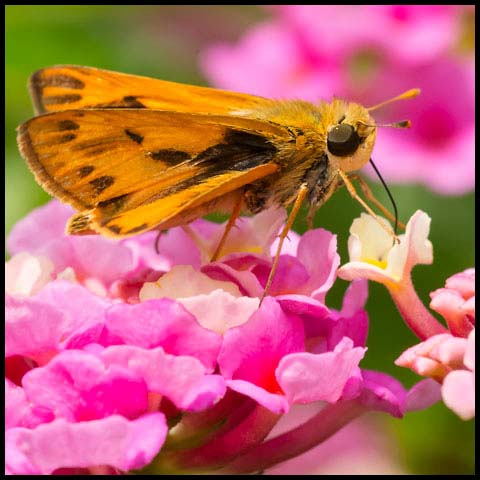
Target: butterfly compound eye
[{"x": 342, "y": 140}]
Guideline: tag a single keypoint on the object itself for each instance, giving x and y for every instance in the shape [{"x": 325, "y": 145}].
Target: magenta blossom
[
  {"x": 315, "y": 52},
  {"x": 110, "y": 343}
]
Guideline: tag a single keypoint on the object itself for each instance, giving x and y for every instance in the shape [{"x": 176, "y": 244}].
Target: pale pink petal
[
  {"x": 144, "y": 255},
  {"x": 449, "y": 304},
  {"x": 26, "y": 274},
  {"x": 458, "y": 392},
  {"x": 456, "y": 302},
  {"x": 166, "y": 323},
  {"x": 290, "y": 244},
  {"x": 469, "y": 359},
  {"x": 114, "y": 441},
  {"x": 251, "y": 234},
  {"x": 463, "y": 282},
  {"x": 184, "y": 281},
  {"x": 219, "y": 310},
  {"x": 40, "y": 227},
  {"x": 436, "y": 356},
  {"x": 94, "y": 256}
]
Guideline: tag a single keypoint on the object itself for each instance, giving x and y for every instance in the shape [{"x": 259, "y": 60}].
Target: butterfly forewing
[
  {"x": 131, "y": 168},
  {"x": 70, "y": 87}
]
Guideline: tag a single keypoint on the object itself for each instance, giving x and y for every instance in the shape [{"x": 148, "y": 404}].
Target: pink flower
[
  {"x": 118, "y": 350},
  {"x": 456, "y": 302},
  {"x": 443, "y": 354},
  {"x": 374, "y": 256},
  {"x": 314, "y": 52},
  {"x": 458, "y": 389},
  {"x": 450, "y": 358}
]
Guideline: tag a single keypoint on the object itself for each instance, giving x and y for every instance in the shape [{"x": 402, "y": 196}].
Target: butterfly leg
[
  {"x": 355, "y": 196},
  {"x": 302, "y": 193},
  {"x": 237, "y": 208},
  {"x": 369, "y": 195},
  {"x": 159, "y": 234}
]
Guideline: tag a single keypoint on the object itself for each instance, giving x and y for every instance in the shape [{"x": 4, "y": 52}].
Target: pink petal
[
  {"x": 354, "y": 327},
  {"x": 19, "y": 412},
  {"x": 83, "y": 312},
  {"x": 321, "y": 268},
  {"x": 252, "y": 234},
  {"x": 182, "y": 379},
  {"x": 383, "y": 393},
  {"x": 78, "y": 386},
  {"x": 458, "y": 392},
  {"x": 275, "y": 402},
  {"x": 463, "y": 282},
  {"x": 306, "y": 377},
  {"x": 291, "y": 276},
  {"x": 423, "y": 395},
  {"x": 469, "y": 359},
  {"x": 220, "y": 311},
  {"x": 449, "y": 303},
  {"x": 114, "y": 441},
  {"x": 26, "y": 274},
  {"x": 40, "y": 227},
  {"x": 264, "y": 62},
  {"x": 316, "y": 316},
  {"x": 100, "y": 258},
  {"x": 252, "y": 351},
  {"x": 32, "y": 328},
  {"x": 355, "y": 298},
  {"x": 246, "y": 281},
  {"x": 183, "y": 281},
  {"x": 166, "y": 323}
]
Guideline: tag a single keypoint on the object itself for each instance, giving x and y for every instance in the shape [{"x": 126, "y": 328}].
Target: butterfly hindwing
[{"x": 133, "y": 168}]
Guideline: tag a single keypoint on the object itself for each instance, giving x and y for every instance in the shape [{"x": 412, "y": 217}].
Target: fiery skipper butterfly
[{"x": 134, "y": 154}]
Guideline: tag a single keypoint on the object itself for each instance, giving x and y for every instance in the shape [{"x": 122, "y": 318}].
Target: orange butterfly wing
[
  {"x": 132, "y": 170},
  {"x": 73, "y": 87}
]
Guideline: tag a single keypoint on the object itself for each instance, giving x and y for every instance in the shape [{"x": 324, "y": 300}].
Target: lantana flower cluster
[
  {"x": 119, "y": 358},
  {"x": 369, "y": 54},
  {"x": 446, "y": 353}
]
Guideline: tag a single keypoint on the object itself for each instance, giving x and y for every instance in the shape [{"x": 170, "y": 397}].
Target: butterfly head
[
  {"x": 350, "y": 135},
  {"x": 351, "y": 132}
]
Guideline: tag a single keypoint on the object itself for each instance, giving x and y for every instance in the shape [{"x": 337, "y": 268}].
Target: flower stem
[
  {"x": 225, "y": 446},
  {"x": 422, "y": 323},
  {"x": 298, "y": 440}
]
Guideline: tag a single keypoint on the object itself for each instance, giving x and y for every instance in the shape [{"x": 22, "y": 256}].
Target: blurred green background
[{"x": 163, "y": 42}]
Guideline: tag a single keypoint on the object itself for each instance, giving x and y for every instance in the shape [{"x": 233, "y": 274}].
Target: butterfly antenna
[
  {"x": 389, "y": 195},
  {"x": 412, "y": 93}
]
